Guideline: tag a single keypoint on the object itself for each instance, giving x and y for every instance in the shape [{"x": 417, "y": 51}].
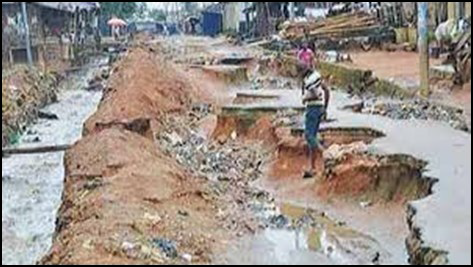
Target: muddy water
[
  {"x": 294, "y": 235},
  {"x": 32, "y": 184}
]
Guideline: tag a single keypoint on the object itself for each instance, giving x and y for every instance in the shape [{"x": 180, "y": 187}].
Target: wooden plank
[{"x": 34, "y": 150}]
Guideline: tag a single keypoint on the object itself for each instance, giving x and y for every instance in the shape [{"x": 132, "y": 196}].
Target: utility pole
[
  {"x": 423, "y": 47},
  {"x": 29, "y": 55}
]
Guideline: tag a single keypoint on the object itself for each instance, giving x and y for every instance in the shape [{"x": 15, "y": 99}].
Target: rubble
[
  {"x": 415, "y": 109},
  {"x": 166, "y": 246},
  {"x": 230, "y": 161}
]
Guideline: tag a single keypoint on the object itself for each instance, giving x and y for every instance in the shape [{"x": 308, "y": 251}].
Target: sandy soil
[{"x": 400, "y": 66}]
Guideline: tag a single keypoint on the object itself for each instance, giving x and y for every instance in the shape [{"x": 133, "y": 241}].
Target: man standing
[{"x": 316, "y": 98}]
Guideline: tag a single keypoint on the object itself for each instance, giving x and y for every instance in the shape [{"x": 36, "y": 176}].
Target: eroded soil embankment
[
  {"x": 349, "y": 169},
  {"x": 124, "y": 201}
]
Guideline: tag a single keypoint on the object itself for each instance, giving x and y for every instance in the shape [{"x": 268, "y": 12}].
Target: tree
[
  {"x": 157, "y": 15},
  {"x": 123, "y": 10},
  {"x": 142, "y": 10}
]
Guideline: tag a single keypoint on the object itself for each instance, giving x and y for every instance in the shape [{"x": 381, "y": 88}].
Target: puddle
[
  {"x": 32, "y": 185},
  {"x": 295, "y": 235}
]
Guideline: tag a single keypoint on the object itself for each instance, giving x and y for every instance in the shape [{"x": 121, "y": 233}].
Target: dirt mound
[
  {"x": 250, "y": 128},
  {"x": 142, "y": 85},
  {"x": 125, "y": 202},
  {"x": 120, "y": 195}
]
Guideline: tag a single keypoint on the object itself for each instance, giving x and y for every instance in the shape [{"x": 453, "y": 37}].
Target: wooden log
[{"x": 34, "y": 150}]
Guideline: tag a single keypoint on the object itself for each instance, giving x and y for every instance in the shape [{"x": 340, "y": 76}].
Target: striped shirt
[{"x": 313, "y": 89}]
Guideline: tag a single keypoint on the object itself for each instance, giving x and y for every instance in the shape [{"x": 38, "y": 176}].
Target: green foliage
[
  {"x": 157, "y": 15},
  {"x": 122, "y": 10}
]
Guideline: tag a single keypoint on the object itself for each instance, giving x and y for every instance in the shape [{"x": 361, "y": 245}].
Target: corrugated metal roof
[
  {"x": 65, "y": 6},
  {"x": 69, "y": 6}
]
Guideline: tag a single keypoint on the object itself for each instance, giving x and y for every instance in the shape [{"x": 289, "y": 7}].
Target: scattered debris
[
  {"x": 231, "y": 161},
  {"x": 174, "y": 139},
  {"x": 366, "y": 204},
  {"x": 167, "y": 247},
  {"x": 47, "y": 115},
  {"x": 415, "y": 109},
  {"x": 131, "y": 250},
  {"x": 376, "y": 258},
  {"x": 186, "y": 257},
  {"x": 279, "y": 221},
  {"x": 183, "y": 213}
]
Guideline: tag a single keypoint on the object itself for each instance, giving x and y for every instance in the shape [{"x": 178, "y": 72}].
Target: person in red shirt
[{"x": 306, "y": 56}]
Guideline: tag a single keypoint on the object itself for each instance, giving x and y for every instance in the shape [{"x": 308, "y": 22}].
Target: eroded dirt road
[{"x": 195, "y": 156}]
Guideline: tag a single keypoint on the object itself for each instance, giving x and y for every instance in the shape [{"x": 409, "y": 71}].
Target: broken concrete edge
[
  {"x": 421, "y": 253},
  {"x": 257, "y": 95},
  {"x": 358, "y": 81},
  {"x": 242, "y": 110},
  {"x": 229, "y": 73},
  {"x": 360, "y": 130}
]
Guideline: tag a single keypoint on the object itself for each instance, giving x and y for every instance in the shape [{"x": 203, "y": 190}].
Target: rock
[
  {"x": 152, "y": 218},
  {"x": 95, "y": 86},
  {"x": 47, "y": 115},
  {"x": 366, "y": 204},
  {"x": 186, "y": 257},
  {"x": 283, "y": 122},
  {"x": 202, "y": 108},
  {"x": 223, "y": 178},
  {"x": 31, "y": 132},
  {"x": 357, "y": 107},
  {"x": 6, "y": 178},
  {"x": 183, "y": 213},
  {"x": 167, "y": 247},
  {"x": 174, "y": 139},
  {"x": 279, "y": 221},
  {"x": 131, "y": 250},
  {"x": 234, "y": 135},
  {"x": 34, "y": 139}
]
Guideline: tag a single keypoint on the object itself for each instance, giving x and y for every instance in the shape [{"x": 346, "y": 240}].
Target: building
[
  {"x": 234, "y": 17},
  {"x": 58, "y": 32}
]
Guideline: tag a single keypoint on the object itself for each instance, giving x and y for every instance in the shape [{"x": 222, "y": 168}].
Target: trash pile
[
  {"x": 24, "y": 92},
  {"x": 349, "y": 25}
]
